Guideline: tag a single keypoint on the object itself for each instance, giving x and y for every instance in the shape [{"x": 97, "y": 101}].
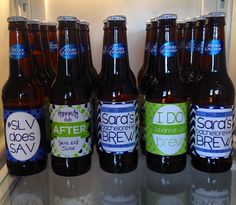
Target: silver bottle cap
[
  {"x": 154, "y": 19},
  {"x": 168, "y": 16},
  {"x": 33, "y": 21},
  {"x": 83, "y": 22},
  {"x": 201, "y": 18},
  {"x": 16, "y": 19},
  {"x": 215, "y": 14},
  {"x": 116, "y": 18},
  {"x": 66, "y": 18}
]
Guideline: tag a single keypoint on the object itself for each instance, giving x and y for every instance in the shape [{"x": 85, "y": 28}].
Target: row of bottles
[{"x": 80, "y": 105}]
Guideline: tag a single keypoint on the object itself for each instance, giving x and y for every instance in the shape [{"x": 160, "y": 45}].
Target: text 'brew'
[
  {"x": 70, "y": 109},
  {"x": 212, "y": 106},
  {"x": 23, "y": 105},
  {"x": 117, "y": 110},
  {"x": 166, "y": 106}
]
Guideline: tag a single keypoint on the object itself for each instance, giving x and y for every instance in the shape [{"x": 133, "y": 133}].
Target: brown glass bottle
[
  {"x": 46, "y": 50},
  {"x": 180, "y": 40},
  {"x": 53, "y": 44},
  {"x": 142, "y": 70},
  {"x": 23, "y": 105},
  {"x": 117, "y": 111},
  {"x": 166, "y": 107},
  {"x": 148, "y": 78},
  {"x": 38, "y": 57},
  {"x": 69, "y": 107},
  {"x": 213, "y": 104}
]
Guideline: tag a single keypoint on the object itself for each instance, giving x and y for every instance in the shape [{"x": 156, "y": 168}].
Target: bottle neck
[
  {"x": 190, "y": 44},
  {"x": 147, "y": 47},
  {"x": 214, "y": 52},
  {"x": 46, "y": 50},
  {"x": 167, "y": 65},
  {"x": 20, "y": 57},
  {"x": 85, "y": 48},
  {"x": 68, "y": 65},
  {"x": 117, "y": 55}
]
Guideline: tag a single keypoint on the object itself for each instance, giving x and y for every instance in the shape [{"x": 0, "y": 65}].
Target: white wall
[{"x": 136, "y": 11}]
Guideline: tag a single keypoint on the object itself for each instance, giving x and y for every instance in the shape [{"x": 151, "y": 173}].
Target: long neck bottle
[
  {"x": 213, "y": 104},
  {"x": 117, "y": 96},
  {"x": 53, "y": 44},
  {"x": 180, "y": 40},
  {"x": 23, "y": 104},
  {"x": 46, "y": 50},
  {"x": 69, "y": 107},
  {"x": 38, "y": 58},
  {"x": 142, "y": 70},
  {"x": 166, "y": 106}
]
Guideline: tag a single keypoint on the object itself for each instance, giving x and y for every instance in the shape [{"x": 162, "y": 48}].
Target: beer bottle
[
  {"x": 39, "y": 64},
  {"x": 180, "y": 40},
  {"x": 46, "y": 50},
  {"x": 198, "y": 52},
  {"x": 23, "y": 106},
  {"x": 142, "y": 70},
  {"x": 212, "y": 106},
  {"x": 69, "y": 107},
  {"x": 186, "y": 68},
  {"x": 104, "y": 49},
  {"x": 166, "y": 106},
  {"x": 53, "y": 45},
  {"x": 148, "y": 78},
  {"x": 117, "y": 110}
]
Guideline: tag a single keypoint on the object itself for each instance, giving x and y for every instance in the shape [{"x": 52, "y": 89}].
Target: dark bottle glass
[
  {"x": 102, "y": 73},
  {"x": 213, "y": 104},
  {"x": 53, "y": 44},
  {"x": 166, "y": 107},
  {"x": 211, "y": 188},
  {"x": 117, "y": 111},
  {"x": 46, "y": 50},
  {"x": 23, "y": 106},
  {"x": 148, "y": 78},
  {"x": 180, "y": 33},
  {"x": 70, "y": 109},
  {"x": 39, "y": 63},
  {"x": 142, "y": 70},
  {"x": 198, "y": 52}
]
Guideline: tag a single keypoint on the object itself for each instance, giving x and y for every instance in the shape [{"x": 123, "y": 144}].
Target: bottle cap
[
  {"x": 154, "y": 19},
  {"x": 168, "y": 16},
  {"x": 51, "y": 24},
  {"x": 188, "y": 20},
  {"x": 116, "y": 18},
  {"x": 33, "y": 21},
  {"x": 181, "y": 21},
  {"x": 16, "y": 19},
  {"x": 148, "y": 22},
  {"x": 215, "y": 14},
  {"x": 43, "y": 23},
  {"x": 83, "y": 22},
  {"x": 66, "y": 18},
  {"x": 201, "y": 18}
]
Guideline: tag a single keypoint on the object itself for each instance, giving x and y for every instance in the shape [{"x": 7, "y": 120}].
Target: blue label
[
  {"x": 117, "y": 50},
  {"x": 117, "y": 124},
  {"x": 211, "y": 130},
  {"x": 200, "y": 47},
  {"x": 53, "y": 46},
  {"x": 190, "y": 46},
  {"x": 214, "y": 47},
  {"x": 69, "y": 51},
  {"x": 154, "y": 49},
  {"x": 25, "y": 135},
  {"x": 168, "y": 49},
  {"x": 17, "y": 51}
]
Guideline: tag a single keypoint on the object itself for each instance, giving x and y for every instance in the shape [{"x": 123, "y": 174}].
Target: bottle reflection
[
  {"x": 165, "y": 189},
  {"x": 31, "y": 190},
  {"x": 119, "y": 189},
  {"x": 211, "y": 188},
  {"x": 71, "y": 190}
]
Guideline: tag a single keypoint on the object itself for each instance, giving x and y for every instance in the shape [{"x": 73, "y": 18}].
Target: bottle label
[
  {"x": 214, "y": 47},
  {"x": 211, "y": 131},
  {"x": 69, "y": 51},
  {"x": 166, "y": 128},
  {"x": 117, "y": 126},
  {"x": 25, "y": 134},
  {"x": 53, "y": 46},
  {"x": 190, "y": 46},
  {"x": 200, "y": 47},
  {"x": 17, "y": 52},
  {"x": 154, "y": 49},
  {"x": 168, "y": 49},
  {"x": 70, "y": 130},
  {"x": 117, "y": 50}
]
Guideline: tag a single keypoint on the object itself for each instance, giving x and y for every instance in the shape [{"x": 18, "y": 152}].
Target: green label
[
  {"x": 166, "y": 128},
  {"x": 70, "y": 130}
]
